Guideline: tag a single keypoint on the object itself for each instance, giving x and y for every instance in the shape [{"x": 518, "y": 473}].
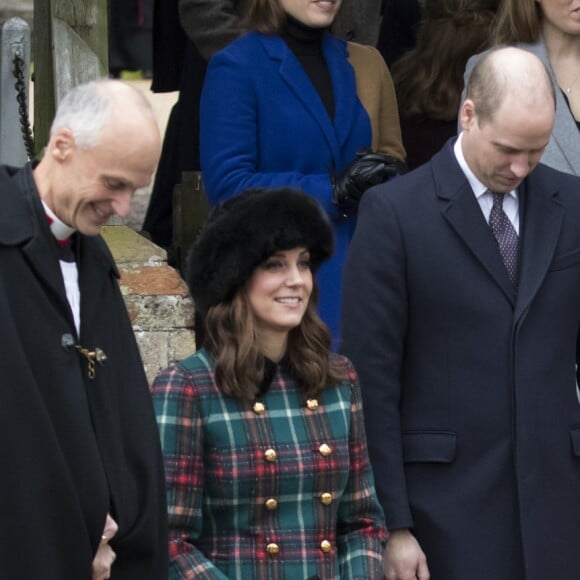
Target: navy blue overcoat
[{"x": 471, "y": 403}]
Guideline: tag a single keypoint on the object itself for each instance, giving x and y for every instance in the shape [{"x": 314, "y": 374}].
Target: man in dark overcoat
[
  {"x": 461, "y": 314},
  {"x": 82, "y": 488}
]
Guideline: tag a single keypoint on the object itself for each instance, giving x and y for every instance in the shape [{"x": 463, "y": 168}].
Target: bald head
[
  {"x": 509, "y": 73},
  {"x": 87, "y": 109},
  {"x": 507, "y": 118}
]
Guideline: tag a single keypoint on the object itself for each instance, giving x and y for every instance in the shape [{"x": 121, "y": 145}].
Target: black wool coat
[{"x": 71, "y": 448}]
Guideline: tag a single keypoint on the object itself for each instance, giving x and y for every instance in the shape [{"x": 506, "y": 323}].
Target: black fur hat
[{"x": 244, "y": 231}]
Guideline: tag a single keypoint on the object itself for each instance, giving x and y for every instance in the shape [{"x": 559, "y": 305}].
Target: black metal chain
[{"x": 20, "y": 87}]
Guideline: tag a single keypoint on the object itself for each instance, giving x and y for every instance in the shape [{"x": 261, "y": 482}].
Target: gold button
[
  {"x": 326, "y": 498},
  {"x": 312, "y": 404},
  {"x": 259, "y": 408},
  {"x": 325, "y": 449},
  {"x": 270, "y": 455},
  {"x": 271, "y": 504},
  {"x": 325, "y": 546},
  {"x": 274, "y": 549}
]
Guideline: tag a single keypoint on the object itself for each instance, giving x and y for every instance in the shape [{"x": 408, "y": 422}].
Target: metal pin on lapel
[{"x": 97, "y": 355}]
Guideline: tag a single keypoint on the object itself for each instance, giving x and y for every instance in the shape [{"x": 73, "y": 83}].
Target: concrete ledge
[{"x": 131, "y": 249}]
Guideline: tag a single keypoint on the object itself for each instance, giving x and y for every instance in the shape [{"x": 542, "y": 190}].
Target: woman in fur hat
[
  {"x": 291, "y": 105},
  {"x": 262, "y": 429}
]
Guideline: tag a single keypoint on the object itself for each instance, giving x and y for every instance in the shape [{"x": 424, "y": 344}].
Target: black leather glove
[{"x": 366, "y": 170}]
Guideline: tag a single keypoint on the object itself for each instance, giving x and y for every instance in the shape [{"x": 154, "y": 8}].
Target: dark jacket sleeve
[{"x": 374, "y": 322}]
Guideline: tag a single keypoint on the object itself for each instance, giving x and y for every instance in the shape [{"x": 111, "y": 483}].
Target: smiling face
[
  {"x": 85, "y": 187},
  {"x": 502, "y": 151},
  {"x": 313, "y": 13},
  {"x": 278, "y": 292}
]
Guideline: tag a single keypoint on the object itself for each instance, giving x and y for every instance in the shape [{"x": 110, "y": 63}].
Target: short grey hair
[{"x": 85, "y": 110}]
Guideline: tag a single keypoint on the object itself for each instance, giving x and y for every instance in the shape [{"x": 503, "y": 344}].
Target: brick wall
[{"x": 157, "y": 299}]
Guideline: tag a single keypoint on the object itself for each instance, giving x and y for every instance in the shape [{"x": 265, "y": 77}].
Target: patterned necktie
[{"x": 506, "y": 236}]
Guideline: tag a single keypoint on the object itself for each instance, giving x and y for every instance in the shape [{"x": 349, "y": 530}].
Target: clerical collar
[{"x": 58, "y": 228}]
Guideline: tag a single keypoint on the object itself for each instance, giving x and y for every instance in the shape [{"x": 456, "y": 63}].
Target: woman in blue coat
[{"x": 289, "y": 104}]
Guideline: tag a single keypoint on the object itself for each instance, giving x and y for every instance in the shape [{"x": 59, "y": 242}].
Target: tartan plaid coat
[{"x": 276, "y": 488}]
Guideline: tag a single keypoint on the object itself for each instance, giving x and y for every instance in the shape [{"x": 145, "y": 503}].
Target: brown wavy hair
[
  {"x": 517, "y": 21},
  {"x": 429, "y": 79},
  {"x": 231, "y": 339}
]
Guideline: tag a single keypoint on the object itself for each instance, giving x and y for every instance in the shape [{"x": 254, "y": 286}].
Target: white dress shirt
[
  {"x": 70, "y": 272},
  {"x": 483, "y": 195}
]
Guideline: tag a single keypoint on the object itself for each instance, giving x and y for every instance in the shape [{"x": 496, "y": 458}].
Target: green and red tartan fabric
[{"x": 222, "y": 476}]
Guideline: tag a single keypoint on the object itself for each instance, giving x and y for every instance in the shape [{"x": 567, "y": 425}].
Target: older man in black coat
[{"x": 82, "y": 487}]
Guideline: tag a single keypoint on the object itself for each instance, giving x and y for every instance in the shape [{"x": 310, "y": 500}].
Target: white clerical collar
[{"x": 58, "y": 228}]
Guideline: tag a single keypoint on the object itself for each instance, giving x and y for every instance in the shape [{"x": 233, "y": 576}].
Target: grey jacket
[
  {"x": 212, "y": 24},
  {"x": 563, "y": 150}
]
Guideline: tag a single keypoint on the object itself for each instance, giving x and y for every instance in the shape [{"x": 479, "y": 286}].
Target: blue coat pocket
[{"x": 567, "y": 260}]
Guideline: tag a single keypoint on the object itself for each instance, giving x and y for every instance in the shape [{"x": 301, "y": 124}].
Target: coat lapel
[
  {"x": 22, "y": 223},
  {"x": 542, "y": 219},
  {"x": 45, "y": 263},
  {"x": 295, "y": 77},
  {"x": 343, "y": 86},
  {"x": 96, "y": 269},
  {"x": 464, "y": 215}
]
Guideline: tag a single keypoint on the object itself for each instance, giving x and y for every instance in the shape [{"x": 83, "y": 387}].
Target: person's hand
[
  {"x": 105, "y": 556},
  {"x": 404, "y": 559},
  {"x": 366, "y": 170}
]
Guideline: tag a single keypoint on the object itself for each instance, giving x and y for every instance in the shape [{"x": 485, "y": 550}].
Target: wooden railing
[{"x": 71, "y": 48}]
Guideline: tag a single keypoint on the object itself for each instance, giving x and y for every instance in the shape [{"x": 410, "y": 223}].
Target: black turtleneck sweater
[{"x": 306, "y": 43}]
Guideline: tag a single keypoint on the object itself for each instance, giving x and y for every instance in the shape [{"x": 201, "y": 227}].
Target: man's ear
[
  {"x": 467, "y": 115},
  {"x": 62, "y": 144}
]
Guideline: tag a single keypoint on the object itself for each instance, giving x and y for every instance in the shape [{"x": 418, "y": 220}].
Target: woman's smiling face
[
  {"x": 279, "y": 290},
  {"x": 313, "y": 13}
]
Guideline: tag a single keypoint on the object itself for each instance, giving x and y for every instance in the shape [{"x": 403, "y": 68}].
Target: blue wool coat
[
  {"x": 273, "y": 488},
  {"x": 264, "y": 125}
]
